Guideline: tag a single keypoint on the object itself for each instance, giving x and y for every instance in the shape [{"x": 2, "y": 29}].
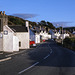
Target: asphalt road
[{"x": 47, "y": 59}]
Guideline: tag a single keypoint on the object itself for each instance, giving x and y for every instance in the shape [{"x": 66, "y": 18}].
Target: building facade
[{"x": 12, "y": 38}]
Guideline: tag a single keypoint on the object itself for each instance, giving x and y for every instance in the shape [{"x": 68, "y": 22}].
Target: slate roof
[{"x": 19, "y": 28}]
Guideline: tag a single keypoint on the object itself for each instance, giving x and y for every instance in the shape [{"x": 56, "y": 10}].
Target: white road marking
[
  {"x": 5, "y": 59},
  {"x": 47, "y": 56},
  {"x": 28, "y": 68},
  {"x": 36, "y": 62},
  {"x": 50, "y": 49}
]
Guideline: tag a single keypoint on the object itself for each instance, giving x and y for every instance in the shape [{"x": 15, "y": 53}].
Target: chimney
[
  {"x": 27, "y": 24},
  {"x": 3, "y": 12},
  {"x": 40, "y": 28}
]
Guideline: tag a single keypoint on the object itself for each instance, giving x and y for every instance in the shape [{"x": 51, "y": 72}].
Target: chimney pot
[{"x": 3, "y": 12}]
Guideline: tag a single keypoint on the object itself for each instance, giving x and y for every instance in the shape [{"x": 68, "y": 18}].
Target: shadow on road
[{"x": 60, "y": 56}]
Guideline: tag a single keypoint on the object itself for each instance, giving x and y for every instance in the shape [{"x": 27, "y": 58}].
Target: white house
[
  {"x": 45, "y": 35},
  {"x": 34, "y": 36},
  {"x": 63, "y": 36},
  {"x": 12, "y": 38},
  {"x": 37, "y": 38},
  {"x": 22, "y": 34},
  {"x": 57, "y": 35},
  {"x": 10, "y": 41}
]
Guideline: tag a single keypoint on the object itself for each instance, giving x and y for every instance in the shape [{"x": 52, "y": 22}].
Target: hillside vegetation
[
  {"x": 19, "y": 21},
  {"x": 15, "y": 21}
]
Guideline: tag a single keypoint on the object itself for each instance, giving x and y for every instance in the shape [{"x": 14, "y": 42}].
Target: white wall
[
  {"x": 63, "y": 36},
  {"x": 37, "y": 38},
  {"x": 45, "y": 36},
  {"x": 57, "y": 35},
  {"x": 1, "y": 44},
  {"x": 8, "y": 42},
  {"x": 24, "y": 39},
  {"x": 15, "y": 43}
]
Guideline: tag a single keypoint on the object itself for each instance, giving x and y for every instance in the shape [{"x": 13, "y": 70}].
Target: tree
[
  {"x": 46, "y": 24},
  {"x": 50, "y": 25}
]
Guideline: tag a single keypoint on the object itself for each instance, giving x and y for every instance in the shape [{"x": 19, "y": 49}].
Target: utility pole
[{"x": 62, "y": 34}]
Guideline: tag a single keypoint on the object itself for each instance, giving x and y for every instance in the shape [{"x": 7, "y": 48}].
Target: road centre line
[
  {"x": 36, "y": 62},
  {"x": 5, "y": 59},
  {"x": 28, "y": 68},
  {"x": 50, "y": 48},
  {"x": 47, "y": 56}
]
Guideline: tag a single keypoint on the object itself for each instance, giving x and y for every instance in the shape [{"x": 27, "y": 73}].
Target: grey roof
[{"x": 19, "y": 28}]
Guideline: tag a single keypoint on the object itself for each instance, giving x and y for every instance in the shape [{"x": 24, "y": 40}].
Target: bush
[{"x": 69, "y": 43}]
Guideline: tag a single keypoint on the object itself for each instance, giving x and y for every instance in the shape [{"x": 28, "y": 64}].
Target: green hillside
[
  {"x": 15, "y": 21},
  {"x": 70, "y": 29},
  {"x": 19, "y": 21}
]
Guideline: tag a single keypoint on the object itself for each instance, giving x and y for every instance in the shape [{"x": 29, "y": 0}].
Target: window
[{"x": 19, "y": 44}]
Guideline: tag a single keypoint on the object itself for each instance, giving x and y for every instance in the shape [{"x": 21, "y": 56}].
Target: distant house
[
  {"x": 37, "y": 38},
  {"x": 12, "y": 38},
  {"x": 34, "y": 37},
  {"x": 57, "y": 35},
  {"x": 73, "y": 32},
  {"x": 63, "y": 36},
  {"x": 44, "y": 35}
]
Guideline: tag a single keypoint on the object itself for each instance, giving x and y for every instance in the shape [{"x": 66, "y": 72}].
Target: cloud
[
  {"x": 64, "y": 24},
  {"x": 25, "y": 16}
]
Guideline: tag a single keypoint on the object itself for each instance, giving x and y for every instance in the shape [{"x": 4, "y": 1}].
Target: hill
[
  {"x": 70, "y": 29},
  {"x": 12, "y": 20},
  {"x": 15, "y": 21}
]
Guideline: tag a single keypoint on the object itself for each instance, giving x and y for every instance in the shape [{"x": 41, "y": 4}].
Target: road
[{"x": 46, "y": 59}]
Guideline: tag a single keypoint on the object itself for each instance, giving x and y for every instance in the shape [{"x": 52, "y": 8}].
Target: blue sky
[{"x": 55, "y": 11}]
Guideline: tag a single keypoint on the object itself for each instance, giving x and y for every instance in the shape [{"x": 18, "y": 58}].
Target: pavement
[{"x": 6, "y": 55}]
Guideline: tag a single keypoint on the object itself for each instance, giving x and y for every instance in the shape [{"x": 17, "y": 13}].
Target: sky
[{"x": 61, "y": 12}]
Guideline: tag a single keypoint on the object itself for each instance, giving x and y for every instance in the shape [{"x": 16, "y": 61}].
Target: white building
[
  {"x": 22, "y": 34},
  {"x": 12, "y": 38},
  {"x": 10, "y": 41},
  {"x": 34, "y": 36},
  {"x": 45, "y": 35},
  {"x": 57, "y": 35},
  {"x": 37, "y": 38},
  {"x": 63, "y": 36}
]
